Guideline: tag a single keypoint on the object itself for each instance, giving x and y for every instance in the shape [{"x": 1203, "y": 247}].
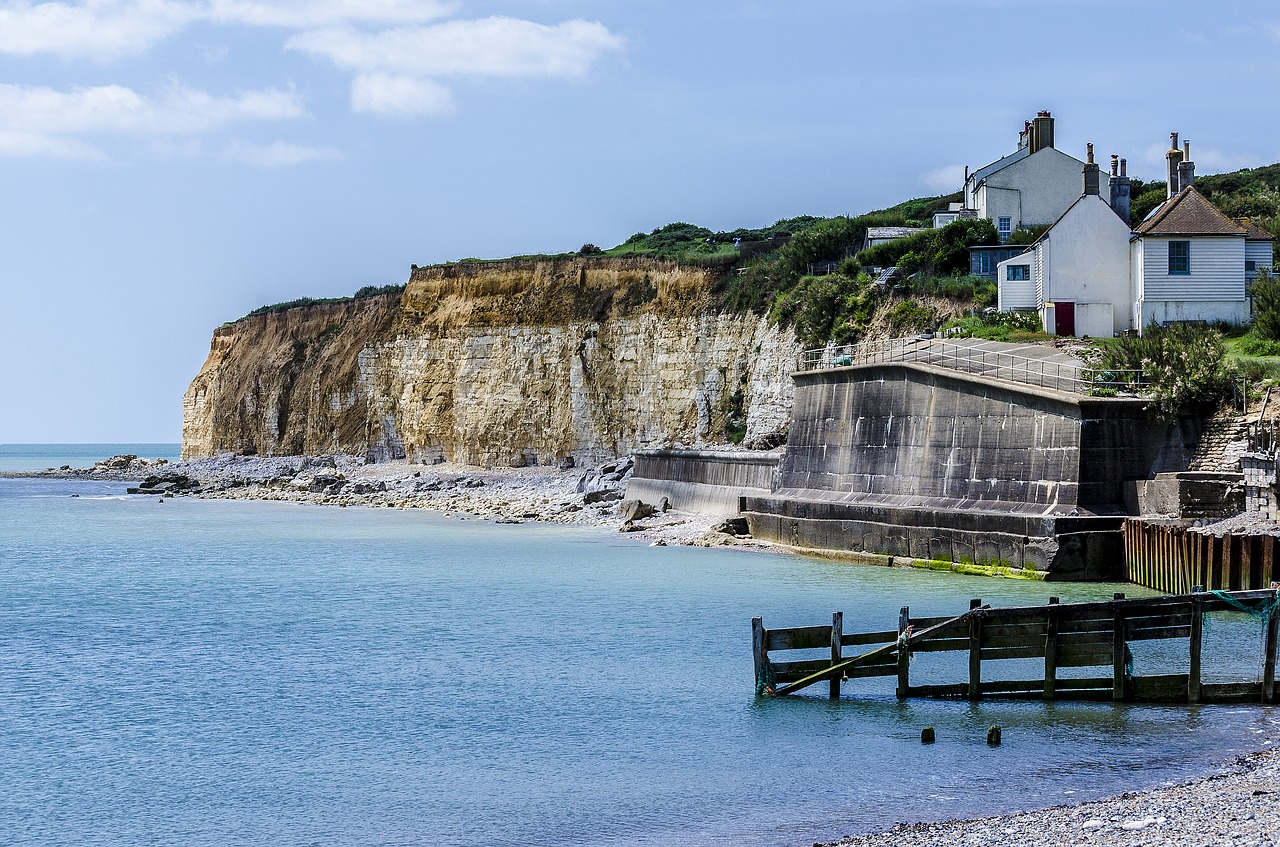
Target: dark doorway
[{"x": 1064, "y": 318}]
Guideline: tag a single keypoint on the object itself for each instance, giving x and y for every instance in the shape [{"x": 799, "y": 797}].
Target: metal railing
[{"x": 992, "y": 364}]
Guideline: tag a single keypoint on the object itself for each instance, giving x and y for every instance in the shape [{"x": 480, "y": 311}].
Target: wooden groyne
[
  {"x": 1170, "y": 557},
  {"x": 1063, "y": 635}
]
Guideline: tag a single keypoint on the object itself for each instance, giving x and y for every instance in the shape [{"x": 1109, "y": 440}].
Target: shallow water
[
  {"x": 39, "y": 457},
  {"x": 219, "y": 672}
]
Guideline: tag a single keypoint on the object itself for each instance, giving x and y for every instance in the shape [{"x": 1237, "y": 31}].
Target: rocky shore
[
  {"x": 1238, "y": 806},
  {"x": 564, "y": 495}
]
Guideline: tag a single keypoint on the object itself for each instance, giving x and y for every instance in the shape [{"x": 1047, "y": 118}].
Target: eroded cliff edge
[{"x": 496, "y": 364}]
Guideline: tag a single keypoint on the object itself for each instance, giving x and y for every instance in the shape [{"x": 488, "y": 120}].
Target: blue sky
[{"x": 166, "y": 166}]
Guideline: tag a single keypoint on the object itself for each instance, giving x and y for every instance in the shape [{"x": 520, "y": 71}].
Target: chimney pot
[
  {"x": 1115, "y": 164},
  {"x": 1090, "y": 146},
  {"x": 1123, "y": 167},
  {"x": 1173, "y": 141}
]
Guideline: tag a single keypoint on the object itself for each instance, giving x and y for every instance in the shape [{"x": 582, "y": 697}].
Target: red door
[{"x": 1064, "y": 318}]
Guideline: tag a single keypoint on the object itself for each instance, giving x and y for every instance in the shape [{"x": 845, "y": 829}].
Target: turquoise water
[
  {"x": 38, "y": 457},
  {"x": 217, "y": 672}
]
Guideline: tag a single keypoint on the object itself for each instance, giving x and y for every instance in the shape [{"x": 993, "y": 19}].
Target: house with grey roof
[
  {"x": 1092, "y": 274},
  {"x": 1031, "y": 186}
]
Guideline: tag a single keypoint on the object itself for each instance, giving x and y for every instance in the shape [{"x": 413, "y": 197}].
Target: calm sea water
[
  {"x": 212, "y": 673},
  {"x": 38, "y": 457}
]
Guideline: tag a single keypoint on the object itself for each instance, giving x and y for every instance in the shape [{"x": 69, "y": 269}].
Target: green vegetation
[
  {"x": 364, "y": 293},
  {"x": 1249, "y": 193},
  {"x": 999, "y": 326},
  {"x": 935, "y": 252},
  {"x": 1185, "y": 364}
]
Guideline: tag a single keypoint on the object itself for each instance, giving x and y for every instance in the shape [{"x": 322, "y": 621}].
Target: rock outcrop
[{"x": 496, "y": 364}]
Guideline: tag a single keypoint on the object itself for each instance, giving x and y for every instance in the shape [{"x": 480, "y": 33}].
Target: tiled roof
[
  {"x": 1253, "y": 232},
  {"x": 1188, "y": 213}
]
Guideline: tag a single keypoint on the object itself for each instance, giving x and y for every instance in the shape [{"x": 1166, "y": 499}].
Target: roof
[
  {"x": 1188, "y": 213},
  {"x": 1253, "y": 232},
  {"x": 892, "y": 231},
  {"x": 999, "y": 164}
]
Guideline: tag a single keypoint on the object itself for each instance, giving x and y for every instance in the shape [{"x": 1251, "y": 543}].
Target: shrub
[
  {"x": 1266, "y": 307},
  {"x": 1184, "y": 364}
]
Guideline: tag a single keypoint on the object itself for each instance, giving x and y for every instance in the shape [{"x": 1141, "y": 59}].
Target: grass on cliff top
[{"x": 364, "y": 293}]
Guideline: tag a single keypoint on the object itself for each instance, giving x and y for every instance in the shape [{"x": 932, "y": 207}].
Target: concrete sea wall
[
  {"x": 703, "y": 481},
  {"x": 914, "y": 461}
]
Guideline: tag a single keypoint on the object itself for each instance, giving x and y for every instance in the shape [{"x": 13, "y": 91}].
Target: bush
[
  {"x": 1266, "y": 307},
  {"x": 1185, "y": 365}
]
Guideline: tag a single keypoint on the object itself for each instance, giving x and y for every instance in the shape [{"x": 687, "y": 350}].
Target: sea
[{"x": 192, "y": 672}]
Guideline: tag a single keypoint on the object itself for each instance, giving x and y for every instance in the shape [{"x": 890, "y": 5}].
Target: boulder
[
  {"x": 602, "y": 496},
  {"x": 635, "y": 510},
  {"x": 733, "y": 526}
]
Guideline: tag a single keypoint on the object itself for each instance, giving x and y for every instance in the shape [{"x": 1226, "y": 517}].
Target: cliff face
[{"x": 505, "y": 363}]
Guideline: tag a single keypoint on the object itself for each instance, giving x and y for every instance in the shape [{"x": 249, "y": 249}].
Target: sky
[{"x": 167, "y": 166}]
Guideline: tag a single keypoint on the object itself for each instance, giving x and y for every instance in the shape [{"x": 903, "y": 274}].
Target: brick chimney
[
  {"x": 1091, "y": 174},
  {"x": 1186, "y": 168},
  {"x": 1174, "y": 158},
  {"x": 1041, "y": 132},
  {"x": 1120, "y": 187}
]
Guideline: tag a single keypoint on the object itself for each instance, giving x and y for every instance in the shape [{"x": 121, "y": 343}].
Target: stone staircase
[{"x": 1224, "y": 440}]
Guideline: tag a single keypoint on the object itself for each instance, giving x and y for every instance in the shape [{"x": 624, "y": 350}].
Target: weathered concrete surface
[
  {"x": 1190, "y": 494},
  {"x": 917, "y": 461},
  {"x": 703, "y": 481}
]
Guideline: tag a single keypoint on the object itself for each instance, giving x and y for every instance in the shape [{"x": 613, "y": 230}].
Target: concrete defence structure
[
  {"x": 708, "y": 482},
  {"x": 910, "y": 460}
]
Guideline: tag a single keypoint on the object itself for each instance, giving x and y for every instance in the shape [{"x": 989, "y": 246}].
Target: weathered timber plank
[
  {"x": 1117, "y": 658},
  {"x": 1101, "y": 683},
  {"x": 1023, "y": 686},
  {"x": 960, "y": 689},
  {"x": 1272, "y": 644},
  {"x": 858, "y": 639},
  {"x": 1025, "y": 651},
  {"x": 1036, "y": 629},
  {"x": 1084, "y": 658},
  {"x": 798, "y": 638},
  {"x": 1170, "y": 688},
  {"x": 863, "y": 671},
  {"x": 1155, "y": 633},
  {"x": 1196, "y": 637},
  {"x": 1231, "y": 692},
  {"x": 942, "y": 645},
  {"x": 975, "y": 654}
]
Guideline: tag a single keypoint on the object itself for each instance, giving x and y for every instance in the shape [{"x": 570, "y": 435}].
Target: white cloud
[
  {"x": 95, "y": 29},
  {"x": 497, "y": 47},
  {"x": 36, "y": 116},
  {"x": 399, "y": 96},
  {"x": 309, "y": 14},
  {"x": 944, "y": 179},
  {"x": 278, "y": 154},
  {"x": 110, "y": 29}
]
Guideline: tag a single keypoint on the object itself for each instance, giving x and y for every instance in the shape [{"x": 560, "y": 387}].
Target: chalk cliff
[{"x": 496, "y": 363}]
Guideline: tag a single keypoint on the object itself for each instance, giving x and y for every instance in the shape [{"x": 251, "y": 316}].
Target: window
[
  {"x": 984, "y": 263},
  {"x": 1250, "y": 266},
  {"x": 1017, "y": 272},
  {"x": 1179, "y": 257},
  {"x": 1004, "y": 226}
]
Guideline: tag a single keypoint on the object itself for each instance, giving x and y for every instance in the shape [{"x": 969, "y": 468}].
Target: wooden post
[
  {"x": 904, "y": 656},
  {"x": 758, "y": 650},
  {"x": 1051, "y": 650},
  {"x": 837, "y": 633},
  {"x": 1117, "y": 652},
  {"x": 1269, "y": 658},
  {"x": 975, "y": 650},
  {"x": 1197, "y": 634}
]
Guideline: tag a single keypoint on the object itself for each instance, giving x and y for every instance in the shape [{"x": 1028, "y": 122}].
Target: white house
[
  {"x": 1091, "y": 274},
  {"x": 1076, "y": 275},
  {"x": 1032, "y": 186}
]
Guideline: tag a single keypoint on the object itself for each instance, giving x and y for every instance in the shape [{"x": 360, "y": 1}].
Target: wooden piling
[
  {"x": 837, "y": 637},
  {"x": 975, "y": 651},
  {"x": 1051, "y": 650},
  {"x": 1269, "y": 654},
  {"x": 758, "y": 650},
  {"x": 1194, "y": 689},
  {"x": 904, "y": 655},
  {"x": 1117, "y": 651}
]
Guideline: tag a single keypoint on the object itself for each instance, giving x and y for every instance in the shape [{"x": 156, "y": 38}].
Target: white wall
[
  {"x": 1085, "y": 260},
  {"x": 1016, "y": 294},
  {"x": 1214, "y": 290},
  {"x": 1260, "y": 253},
  {"x": 1042, "y": 186}
]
